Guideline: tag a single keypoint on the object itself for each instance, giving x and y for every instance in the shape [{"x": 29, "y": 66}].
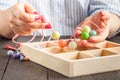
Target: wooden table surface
[{"x": 14, "y": 69}]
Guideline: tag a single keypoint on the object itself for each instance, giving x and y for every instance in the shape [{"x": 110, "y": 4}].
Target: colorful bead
[
  {"x": 16, "y": 55},
  {"x": 21, "y": 58},
  {"x": 86, "y": 28},
  {"x": 10, "y": 52},
  {"x": 26, "y": 58},
  {"x": 55, "y": 35},
  {"x": 62, "y": 43},
  {"x": 85, "y": 35},
  {"x": 93, "y": 33},
  {"x": 21, "y": 54},
  {"x": 72, "y": 44}
]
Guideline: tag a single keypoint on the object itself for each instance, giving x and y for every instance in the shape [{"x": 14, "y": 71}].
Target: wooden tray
[{"x": 82, "y": 61}]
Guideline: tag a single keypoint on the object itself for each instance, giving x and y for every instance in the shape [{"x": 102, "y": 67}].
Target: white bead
[{"x": 72, "y": 44}]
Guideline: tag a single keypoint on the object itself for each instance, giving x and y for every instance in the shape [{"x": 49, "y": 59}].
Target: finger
[
  {"x": 21, "y": 31},
  {"x": 95, "y": 39},
  {"x": 27, "y": 17},
  {"x": 28, "y": 25},
  {"x": 24, "y": 12},
  {"x": 100, "y": 37},
  {"x": 78, "y": 31},
  {"x": 85, "y": 43},
  {"x": 16, "y": 22},
  {"x": 104, "y": 16},
  {"x": 26, "y": 32},
  {"x": 78, "y": 28},
  {"x": 29, "y": 13},
  {"x": 37, "y": 25}
]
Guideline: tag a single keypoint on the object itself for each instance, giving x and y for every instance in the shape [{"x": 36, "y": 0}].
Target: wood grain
[{"x": 3, "y": 56}]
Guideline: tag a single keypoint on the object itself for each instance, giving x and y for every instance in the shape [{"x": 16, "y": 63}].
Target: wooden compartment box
[{"x": 82, "y": 61}]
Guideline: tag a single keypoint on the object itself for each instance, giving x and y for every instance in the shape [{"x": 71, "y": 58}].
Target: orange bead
[
  {"x": 62, "y": 43},
  {"x": 26, "y": 58}
]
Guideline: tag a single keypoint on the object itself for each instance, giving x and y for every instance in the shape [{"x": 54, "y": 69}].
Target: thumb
[{"x": 104, "y": 16}]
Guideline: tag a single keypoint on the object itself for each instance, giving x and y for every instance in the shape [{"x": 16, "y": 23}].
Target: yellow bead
[
  {"x": 86, "y": 28},
  {"x": 55, "y": 35}
]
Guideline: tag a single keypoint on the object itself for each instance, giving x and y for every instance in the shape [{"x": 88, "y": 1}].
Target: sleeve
[
  {"x": 4, "y": 4},
  {"x": 112, "y": 6}
]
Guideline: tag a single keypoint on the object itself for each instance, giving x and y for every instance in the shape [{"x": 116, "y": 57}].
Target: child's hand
[
  {"x": 24, "y": 19},
  {"x": 101, "y": 20}
]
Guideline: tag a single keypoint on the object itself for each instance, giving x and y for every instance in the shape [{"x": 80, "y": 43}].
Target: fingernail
[
  {"x": 91, "y": 40},
  {"x": 48, "y": 26},
  {"x": 37, "y": 18},
  {"x": 35, "y": 12},
  {"x": 102, "y": 13}
]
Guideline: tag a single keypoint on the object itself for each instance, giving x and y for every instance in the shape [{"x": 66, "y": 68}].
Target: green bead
[
  {"x": 86, "y": 28},
  {"x": 55, "y": 35},
  {"x": 85, "y": 35},
  {"x": 93, "y": 33}
]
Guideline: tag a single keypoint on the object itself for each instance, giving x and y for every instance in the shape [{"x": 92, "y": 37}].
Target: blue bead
[
  {"x": 21, "y": 58},
  {"x": 10, "y": 52},
  {"x": 93, "y": 33},
  {"x": 18, "y": 53},
  {"x": 21, "y": 54},
  {"x": 16, "y": 56}
]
